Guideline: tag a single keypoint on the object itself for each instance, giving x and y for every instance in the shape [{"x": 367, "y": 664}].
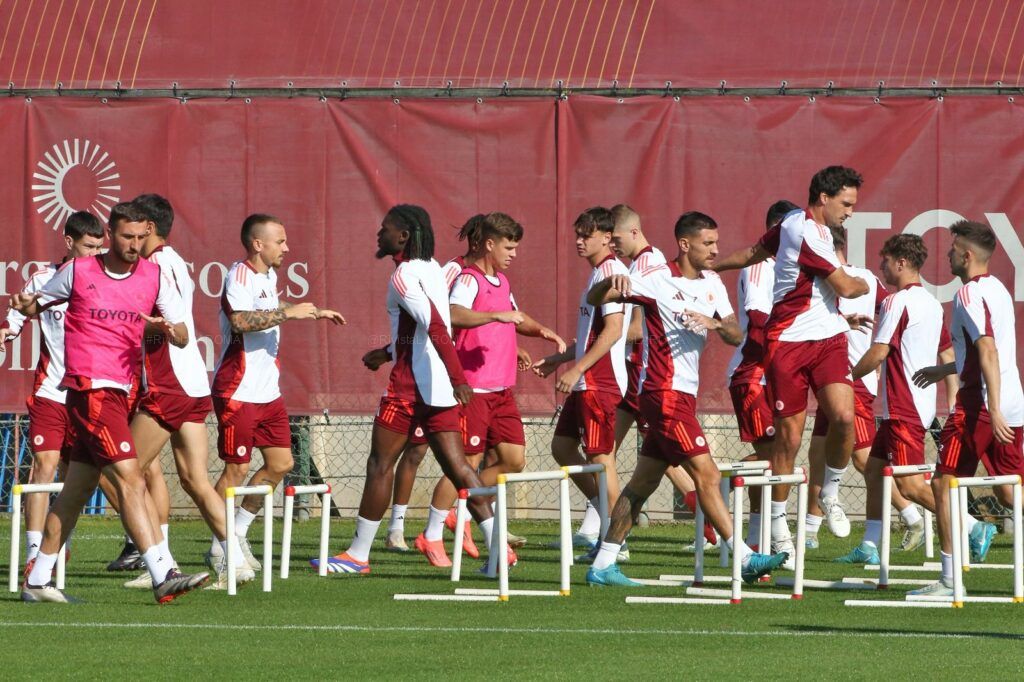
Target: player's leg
[
  {"x": 405, "y": 477},
  {"x": 277, "y": 462},
  {"x": 789, "y": 431},
  {"x": 44, "y": 470},
  {"x": 816, "y": 464},
  {"x": 837, "y": 403},
  {"x": 430, "y": 542},
  {"x": 762, "y": 453},
  {"x": 867, "y": 551}
]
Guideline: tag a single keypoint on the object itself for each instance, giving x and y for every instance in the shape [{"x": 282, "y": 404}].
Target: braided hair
[{"x": 416, "y": 220}]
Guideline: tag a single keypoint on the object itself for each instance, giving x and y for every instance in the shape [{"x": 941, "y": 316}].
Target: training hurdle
[
  {"x": 888, "y": 473},
  {"x": 268, "y": 532},
  {"x": 734, "y": 595},
  {"x": 16, "y": 492},
  {"x": 729, "y": 470},
  {"x": 325, "y": 523}
]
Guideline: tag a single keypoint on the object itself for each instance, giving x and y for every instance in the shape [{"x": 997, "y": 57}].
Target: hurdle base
[
  {"x": 711, "y": 592},
  {"x": 881, "y": 603},
  {"x": 674, "y": 600},
  {"x": 448, "y": 597},
  {"x": 511, "y": 593},
  {"x": 949, "y": 600}
]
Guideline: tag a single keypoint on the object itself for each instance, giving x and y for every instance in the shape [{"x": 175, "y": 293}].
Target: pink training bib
[{"x": 488, "y": 352}]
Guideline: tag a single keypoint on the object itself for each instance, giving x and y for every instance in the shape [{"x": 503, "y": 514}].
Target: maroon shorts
[
  {"x": 417, "y": 437},
  {"x": 589, "y": 416},
  {"x": 173, "y": 411},
  {"x": 490, "y": 419},
  {"x": 409, "y": 417},
  {"x": 630, "y": 402},
  {"x": 863, "y": 418},
  {"x": 792, "y": 367},
  {"x": 675, "y": 433},
  {"x": 968, "y": 438},
  {"x": 753, "y": 414},
  {"x": 47, "y": 424},
  {"x": 244, "y": 426},
  {"x": 99, "y": 433},
  {"x": 901, "y": 443}
]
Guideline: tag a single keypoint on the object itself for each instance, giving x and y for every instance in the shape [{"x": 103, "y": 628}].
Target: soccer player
[
  {"x": 104, "y": 327},
  {"x": 48, "y": 418},
  {"x": 825, "y": 480},
  {"x": 246, "y": 385},
  {"x": 426, "y": 387},
  {"x": 908, "y": 337},
  {"x": 746, "y": 368},
  {"x": 989, "y": 413},
  {"x": 805, "y": 333},
  {"x": 486, "y": 319},
  {"x": 596, "y": 382},
  {"x": 681, "y": 306}
]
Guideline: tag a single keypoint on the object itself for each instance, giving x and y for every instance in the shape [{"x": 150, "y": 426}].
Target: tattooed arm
[{"x": 257, "y": 320}]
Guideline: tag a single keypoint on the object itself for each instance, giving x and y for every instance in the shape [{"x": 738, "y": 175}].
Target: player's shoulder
[
  {"x": 712, "y": 276},
  {"x": 43, "y": 273},
  {"x": 613, "y": 266}
]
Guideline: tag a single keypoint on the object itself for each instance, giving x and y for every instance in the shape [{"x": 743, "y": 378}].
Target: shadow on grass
[{"x": 902, "y": 632}]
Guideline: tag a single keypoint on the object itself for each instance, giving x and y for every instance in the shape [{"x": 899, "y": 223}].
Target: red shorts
[
  {"x": 794, "y": 366},
  {"x": 589, "y": 416},
  {"x": 47, "y": 424},
  {"x": 966, "y": 439},
  {"x": 409, "y": 417},
  {"x": 244, "y": 426},
  {"x": 490, "y": 419},
  {"x": 675, "y": 433},
  {"x": 753, "y": 414},
  {"x": 630, "y": 402},
  {"x": 172, "y": 411},
  {"x": 99, "y": 433},
  {"x": 901, "y": 443},
  {"x": 417, "y": 437},
  {"x": 863, "y": 418}
]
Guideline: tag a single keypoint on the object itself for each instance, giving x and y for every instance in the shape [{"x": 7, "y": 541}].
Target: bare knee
[
  {"x": 44, "y": 468},
  {"x": 280, "y": 466}
]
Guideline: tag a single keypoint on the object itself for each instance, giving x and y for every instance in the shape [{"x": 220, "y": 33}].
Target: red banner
[
  {"x": 331, "y": 169},
  {"x": 583, "y": 44}
]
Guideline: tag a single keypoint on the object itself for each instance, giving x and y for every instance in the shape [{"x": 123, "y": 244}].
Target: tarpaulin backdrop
[{"x": 331, "y": 169}]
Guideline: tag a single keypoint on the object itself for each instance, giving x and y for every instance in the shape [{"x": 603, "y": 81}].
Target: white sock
[
  {"x": 487, "y": 527},
  {"x": 591, "y": 519},
  {"x": 243, "y": 519},
  {"x": 911, "y": 515},
  {"x": 969, "y": 523},
  {"x": 947, "y": 566},
  {"x": 158, "y": 563},
  {"x": 812, "y": 524},
  {"x": 606, "y": 555},
  {"x": 873, "y": 531},
  {"x": 165, "y": 530},
  {"x": 222, "y": 547},
  {"x": 833, "y": 477},
  {"x": 780, "y": 528},
  {"x": 754, "y": 531},
  {"x": 397, "y": 522},
  {"x": 216, "y": 546},
  {"x": 744, "y": 551},
  {"x": 42, "y": 570},
  {"x": 435, "y": 524},
  {"x": 366, "y": 531},
  {"x": 33, "y": 540}
]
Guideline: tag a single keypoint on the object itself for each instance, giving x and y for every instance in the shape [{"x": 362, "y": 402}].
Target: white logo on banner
[{"x": 75, "y": 175}]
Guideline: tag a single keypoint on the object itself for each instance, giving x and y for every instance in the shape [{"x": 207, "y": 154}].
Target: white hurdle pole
[
  {"x": 888, "y": 473},
  {"x": 325, "y": 523},
  {"x": 965, "y": 537},
  {"x": 929, "y": 540},
  {"x": 461, "y": 517},
  {"x": 565, "y": 534},
  {"x": 499, "y": 554},
  {"x": 16, "y": 492},
  {"x": 602, "y": 492},
  {"x": 729, "y": 470},
  {"x": 268, "y": 532}
]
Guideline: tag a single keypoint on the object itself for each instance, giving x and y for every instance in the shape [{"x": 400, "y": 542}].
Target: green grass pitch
[{"x": 351, "y": 627}]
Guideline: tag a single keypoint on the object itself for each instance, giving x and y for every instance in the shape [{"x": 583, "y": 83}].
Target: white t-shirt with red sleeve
[
  {"x": 608, "y": 374},
  {"x": 754, "y": 302},
  {"x": 859, "y": 341},
  {"x": 50, "y": 369}
]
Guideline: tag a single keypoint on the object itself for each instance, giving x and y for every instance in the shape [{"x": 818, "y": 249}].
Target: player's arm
[
  {"x": 946, "y": 356},
  {"x": 545, "y": 366},
  {"x": 531, "y": 327},
  {"x": 464, "y": 318},
  {"x": 171, "y": 319},
  {"x": 846, "y": 285},
  {"x": 613, "y": 289},
  {"x": 736, "y": 260},
  {"x": 871, "y": 360},
  {"x": 602, "y": 345},
  {"x": 31, "y": 302},
  {"x": 728, "y": 328},
  {"x": 318, "y": 312},
  {"x": 988, "y": 360},
  {"x": 636, "y": 326},
  {"x": 414, "y": 300},
  {"x": 15, "y": 320}
]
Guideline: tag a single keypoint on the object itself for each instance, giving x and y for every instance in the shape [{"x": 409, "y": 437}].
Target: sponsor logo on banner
[{"x": 75, "y": 175}]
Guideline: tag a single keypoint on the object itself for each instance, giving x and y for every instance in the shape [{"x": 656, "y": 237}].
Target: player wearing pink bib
[
  {"x": 108, "y": 299},
  {"x": 246, "y": 385},
  {"x": 681, "y": 306},
  {"x": 48, "y": 417},
  {"x": 986, "y": 424},
  {"x": 597, "y": 380},
  {"x": 805, "y": 334},
  {"x": 486, "y": 320}
]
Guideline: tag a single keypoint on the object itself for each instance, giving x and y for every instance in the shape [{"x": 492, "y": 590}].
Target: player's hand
[
  {"x": 1002, "y": 432},
  {"x": 621, "y": 284},
  {"x": 301, "y": 311},
  {"x": 509, "y": 317},
  {"x": 550, "y": 335},
  {"x": 699, "y": 323},
  {"x": 332, "y": 315},
  {"x": 6, "y": 335},
  {"x": 463, "y": 393},
  {"x": 860, "y": 323},
  {"x": 923, "y": 378},
  {"x": 523, "y": 359},
  {"x": 375, "y": 358},
  {"x": 566, "y": 382},
  {"x": 160, "y": 326},
  {"x": 22, "y": 302},
  {"x": 546, "y": 366}
]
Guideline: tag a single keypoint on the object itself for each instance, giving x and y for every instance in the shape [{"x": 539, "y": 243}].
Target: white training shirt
[
  {"x": 249, "y": 369},
  {"x": 608, "y": 374},
  {"x": 754, "y": 292},
  {"x": 983, "y": 307},
  {"x": 50, "y": 370},
  {"x": 910, "y": 322},
  {"x": 858, "y": 342}
]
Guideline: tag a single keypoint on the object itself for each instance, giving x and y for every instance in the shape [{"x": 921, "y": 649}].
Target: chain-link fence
[{"x": 333, "y": 449}]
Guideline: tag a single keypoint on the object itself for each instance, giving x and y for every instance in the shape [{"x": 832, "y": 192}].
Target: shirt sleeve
[
  {"x": 642, "y": 290},
  {"x": 945, "y": 340},
  {"x": 464, "y": 291},
  {"x": 770, "y": 240},
  {"x": 169, "y": 301},
  {"x": 880, "y": 295},
  {"x": 15, "y": 320},
  {"x": 889, "y": 315},
  {"x": 756, "y": 294},
  {"x": 58, "y": 289},
  {"x": 613, "y": 307},
  {"x": 977, "y": 318},
  {"x": 238, "y": 296},
  {"x": 817, "y": 251},
  {"x": 414, "y": 300},
  {"x": 721, "y": 302}
]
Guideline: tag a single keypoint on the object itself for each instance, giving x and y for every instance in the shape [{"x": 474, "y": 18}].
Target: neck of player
[
  {"x": 686, "y": 268},
  {"x": 257, "y": 264}
]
